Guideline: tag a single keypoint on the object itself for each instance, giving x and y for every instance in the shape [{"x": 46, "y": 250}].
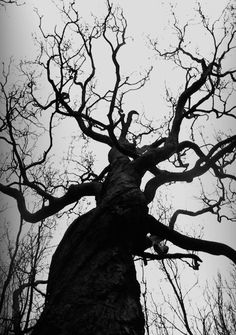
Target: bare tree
[
  {"x": 92, "y": 286},
  {"x": 213, "y": 314},
  {"x": 219, "y": 317},
  {"x": 25, "y": 262}
]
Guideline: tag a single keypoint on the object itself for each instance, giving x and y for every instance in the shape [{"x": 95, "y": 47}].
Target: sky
[{"x": 145, "y": 18}]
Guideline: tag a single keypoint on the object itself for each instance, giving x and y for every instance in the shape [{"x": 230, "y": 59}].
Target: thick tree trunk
[{"x": 92, "y": 287}]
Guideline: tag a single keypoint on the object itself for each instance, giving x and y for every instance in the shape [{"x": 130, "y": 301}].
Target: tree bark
[{"x": 92, "y": 285}]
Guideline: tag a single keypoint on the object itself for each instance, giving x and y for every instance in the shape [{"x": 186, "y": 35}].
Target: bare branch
[
  {"x": 74, "y": 193},
  {"x": 202, "y": 165},
  {"x": 177, "y": 255},
  {"x": 10, "y": 2},
  {"x": 192, "y": 213},
  {"x": 190, "y": 243}
]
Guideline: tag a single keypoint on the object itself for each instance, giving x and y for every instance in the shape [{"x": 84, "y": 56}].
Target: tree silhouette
[
  {"x": 92, "y": 286},
  {"x": 215, "y": 316}
]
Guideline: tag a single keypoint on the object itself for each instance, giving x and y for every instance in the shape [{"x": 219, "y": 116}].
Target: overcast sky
[{"x": 17, "y": 24}]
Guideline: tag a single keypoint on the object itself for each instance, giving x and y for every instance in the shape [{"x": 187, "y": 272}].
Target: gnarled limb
[
  {"x": 176, "y": 255},
  {"x": 191, "y": 243},
  {"x": 190, "y": 213},
  {"x": 202, "y": 165},
  {"x": 74, "y": 193}
]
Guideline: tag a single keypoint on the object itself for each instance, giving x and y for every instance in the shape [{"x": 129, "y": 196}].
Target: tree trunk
[{"x": 92, "y": 287}]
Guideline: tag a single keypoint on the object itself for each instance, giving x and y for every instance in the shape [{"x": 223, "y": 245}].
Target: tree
[
  {"x": 214, "y": 314},
  {"x": 92, "y": 286},
  {"x": 26, "y": 259}
]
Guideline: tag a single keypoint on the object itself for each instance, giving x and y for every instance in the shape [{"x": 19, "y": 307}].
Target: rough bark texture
[{"x": 92, "y": 286}]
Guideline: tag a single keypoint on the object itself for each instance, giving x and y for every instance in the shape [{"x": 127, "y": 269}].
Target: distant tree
[
  {"x": 22, "y": 262},
  {"x": 213, "y": 314},
  {"x": 92, "y": 286}
]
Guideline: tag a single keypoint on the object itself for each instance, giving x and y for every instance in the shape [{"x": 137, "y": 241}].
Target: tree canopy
[{"x": 75, "y": 103}]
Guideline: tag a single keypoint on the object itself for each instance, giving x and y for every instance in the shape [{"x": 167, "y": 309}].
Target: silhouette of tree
[
  {"x": 213, "y": 314},
  {"x": 92, "y": 286}
]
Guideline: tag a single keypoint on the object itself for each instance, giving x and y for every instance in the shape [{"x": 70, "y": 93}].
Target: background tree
[
  {"x": 22, "y": 262},
  {"x": 214, "y": 314},
  {"x": 92, "y": 283}
]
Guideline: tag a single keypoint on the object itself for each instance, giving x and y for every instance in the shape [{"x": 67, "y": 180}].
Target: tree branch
[
  {"x": 190, "y": 243},
  {"x": 202, "y": 165},
  {"x": 191, "y": 213},
  {"x": 74, "y": 193},
  {"x": 180, "y": 111},
  {"x": 177, "y": 255}
]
